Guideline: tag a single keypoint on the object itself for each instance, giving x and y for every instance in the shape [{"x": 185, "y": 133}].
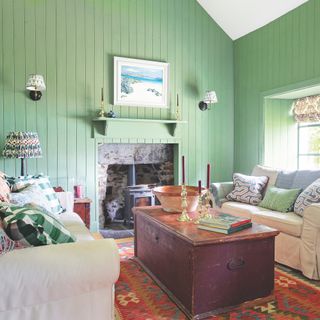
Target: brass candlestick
[
  {"x": 184, "y": 217},
  {"x": 178, "y": 110},
  {"x": 207, "y": 206},
  {"x": 102, "y": 112},
  {"x": 199, "y": 210}
]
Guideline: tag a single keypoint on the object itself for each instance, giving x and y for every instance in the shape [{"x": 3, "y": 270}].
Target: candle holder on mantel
[
  {"x": 102, "y": 112},
  {"x": 184, "y": 217}
]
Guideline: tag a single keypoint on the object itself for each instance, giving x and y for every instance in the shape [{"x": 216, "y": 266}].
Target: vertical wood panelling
[
  {"x": 283, "y": 53},
  {"x": 280, "y": 134},
  {"x": 72, "y": 43}
]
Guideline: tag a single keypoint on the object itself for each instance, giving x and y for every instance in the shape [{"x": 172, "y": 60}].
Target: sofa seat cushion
[
  {"x": 75, "y": 225},
  {"x": 239, "y": 209},
  {"x": 289, "y": 223}
]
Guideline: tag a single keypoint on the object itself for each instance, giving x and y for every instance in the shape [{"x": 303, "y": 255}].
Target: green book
[
  {"x": 225, "y": 231},
  {"x": 224, "y": 220}
]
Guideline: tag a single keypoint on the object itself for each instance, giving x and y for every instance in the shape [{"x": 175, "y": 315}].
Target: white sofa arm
[
  {"x": 40, "y": 274},
  {"x": 219, "y": 191},
  {"x": 66, "y": 199},
  {"x": 310, "y": 247}
]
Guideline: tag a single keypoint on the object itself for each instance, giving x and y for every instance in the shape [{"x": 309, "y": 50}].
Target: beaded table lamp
[{"x": 22, "y": 145}]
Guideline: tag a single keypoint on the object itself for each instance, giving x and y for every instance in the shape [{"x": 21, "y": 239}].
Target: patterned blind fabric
[{"x": 307, "y": 109}]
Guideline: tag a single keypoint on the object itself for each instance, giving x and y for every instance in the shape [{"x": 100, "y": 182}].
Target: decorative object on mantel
[
  {"x": 210, "y": 98},
  {"x": 102, "y": 113},
  {"x": 22, "y": 145},
  {"x": 307, "y": 109},
  {"x": 35, "y": 85},
  {"x": 111, "y": 114},
  {"x": 140, "y": 83},
  {"x": 178, "y": 109}
]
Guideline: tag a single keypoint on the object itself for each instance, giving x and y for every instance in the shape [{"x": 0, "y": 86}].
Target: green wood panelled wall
[
  {"x": 73, "y": 42},
  {"x": 280, "y": 54},
  {"x": 280, "y": 134}
]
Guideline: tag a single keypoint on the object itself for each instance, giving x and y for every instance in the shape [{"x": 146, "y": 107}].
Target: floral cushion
[
  {"x": 247, "y": 189},
  {"x": 4, "y": 188},
  {"x": 310, "y": 195},
  {"x": 32, "y": 195},
  {"x": 6, "y": 244},
  {"x": 43, "y": 182}
]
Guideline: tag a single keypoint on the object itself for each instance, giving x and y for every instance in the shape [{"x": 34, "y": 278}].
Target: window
[{"x": 309, "y": 146}]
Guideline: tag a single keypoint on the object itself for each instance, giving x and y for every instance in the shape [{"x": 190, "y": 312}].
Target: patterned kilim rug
[{"x": 139, "y": 298}]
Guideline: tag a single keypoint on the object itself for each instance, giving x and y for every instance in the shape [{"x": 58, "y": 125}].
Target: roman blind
[{"x": 307, "y": 109}]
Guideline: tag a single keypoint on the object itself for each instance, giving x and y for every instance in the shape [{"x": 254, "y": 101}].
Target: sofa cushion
[
  {"x": 239, "y": 209},
  {"x": 4, "y": 188},
  {"x": 33, "y": 195},
  {"x": 310, "y": 195},
  {"x": 247, "y": 189},
  {"x": 280, "y": 199},
  {"x": 289, "y": 222},
  {"x": 296, "y": 179},
  {"x": 285, "y": 179},
  {"x": 43, "y": 182},
  {"x": 6, "y": 244},
  {"x": 285, "y": 222},
  {"x": 269, "y": 172},
  {"x": 75, "y": 225},
  {"x": 304, "y": 178},
  {"x": 32, "y": 226}
]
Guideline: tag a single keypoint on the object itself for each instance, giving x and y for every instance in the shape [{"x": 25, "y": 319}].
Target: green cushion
[
  {"x": 280, "y": 199},
  {"x": 32, "y": 226}
]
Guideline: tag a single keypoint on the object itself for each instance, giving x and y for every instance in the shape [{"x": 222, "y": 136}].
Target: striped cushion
[
  {"x": 33, "y": 226},
  {"x": 43, "y": 182}
]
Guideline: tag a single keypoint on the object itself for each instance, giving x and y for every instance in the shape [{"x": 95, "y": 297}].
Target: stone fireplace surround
[{"x": 153, "y": 165}]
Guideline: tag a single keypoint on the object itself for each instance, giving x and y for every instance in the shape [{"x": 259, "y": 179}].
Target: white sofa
[
  {"x": 65, "y": 281},
  {"x": 298, "y": 244}
]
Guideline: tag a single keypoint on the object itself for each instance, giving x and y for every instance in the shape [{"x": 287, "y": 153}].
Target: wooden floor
[{"x": 98, "y": 236}]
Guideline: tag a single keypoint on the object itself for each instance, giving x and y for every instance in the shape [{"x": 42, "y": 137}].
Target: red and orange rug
[{"x": 139, "y": 298}]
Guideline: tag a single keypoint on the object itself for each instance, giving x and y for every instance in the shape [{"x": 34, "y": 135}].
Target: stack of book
[{"x": 224, "y": 223}]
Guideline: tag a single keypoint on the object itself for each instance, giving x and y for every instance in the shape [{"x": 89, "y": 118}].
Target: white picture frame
[{"x": 141, "y": 83}]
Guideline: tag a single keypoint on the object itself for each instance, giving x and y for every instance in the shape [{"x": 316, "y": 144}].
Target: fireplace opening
[{"x": 127, "y": 173}]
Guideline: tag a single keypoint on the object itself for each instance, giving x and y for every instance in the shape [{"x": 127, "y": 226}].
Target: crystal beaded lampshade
[{"x": 35, "y": 83}]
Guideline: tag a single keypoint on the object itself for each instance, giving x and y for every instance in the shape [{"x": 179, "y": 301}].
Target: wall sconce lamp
[
  {"x": 209, "y": 98},
  {"x": 35, "y": 85}
]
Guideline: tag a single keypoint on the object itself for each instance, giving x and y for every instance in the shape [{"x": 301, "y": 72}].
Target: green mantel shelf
[{"x": 140, "y": 124}]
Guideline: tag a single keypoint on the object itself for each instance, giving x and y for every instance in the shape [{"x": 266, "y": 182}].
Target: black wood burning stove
[{"x": 136, "y": 195}]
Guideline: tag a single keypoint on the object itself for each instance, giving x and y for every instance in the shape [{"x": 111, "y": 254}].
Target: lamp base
[{"x": 35, "y": 95}]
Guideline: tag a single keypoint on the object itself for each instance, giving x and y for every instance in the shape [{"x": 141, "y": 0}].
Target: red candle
[
  {"x": 183, "y": 171},
  {"x": 208, "y": 176},
  {"x": 199, "y": 187}
]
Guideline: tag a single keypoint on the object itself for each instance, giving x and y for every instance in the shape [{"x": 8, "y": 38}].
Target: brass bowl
[{"x": 170, "y": 198}]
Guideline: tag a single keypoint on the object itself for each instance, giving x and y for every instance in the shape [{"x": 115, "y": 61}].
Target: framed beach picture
[{"x": 140, "y": 83}]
